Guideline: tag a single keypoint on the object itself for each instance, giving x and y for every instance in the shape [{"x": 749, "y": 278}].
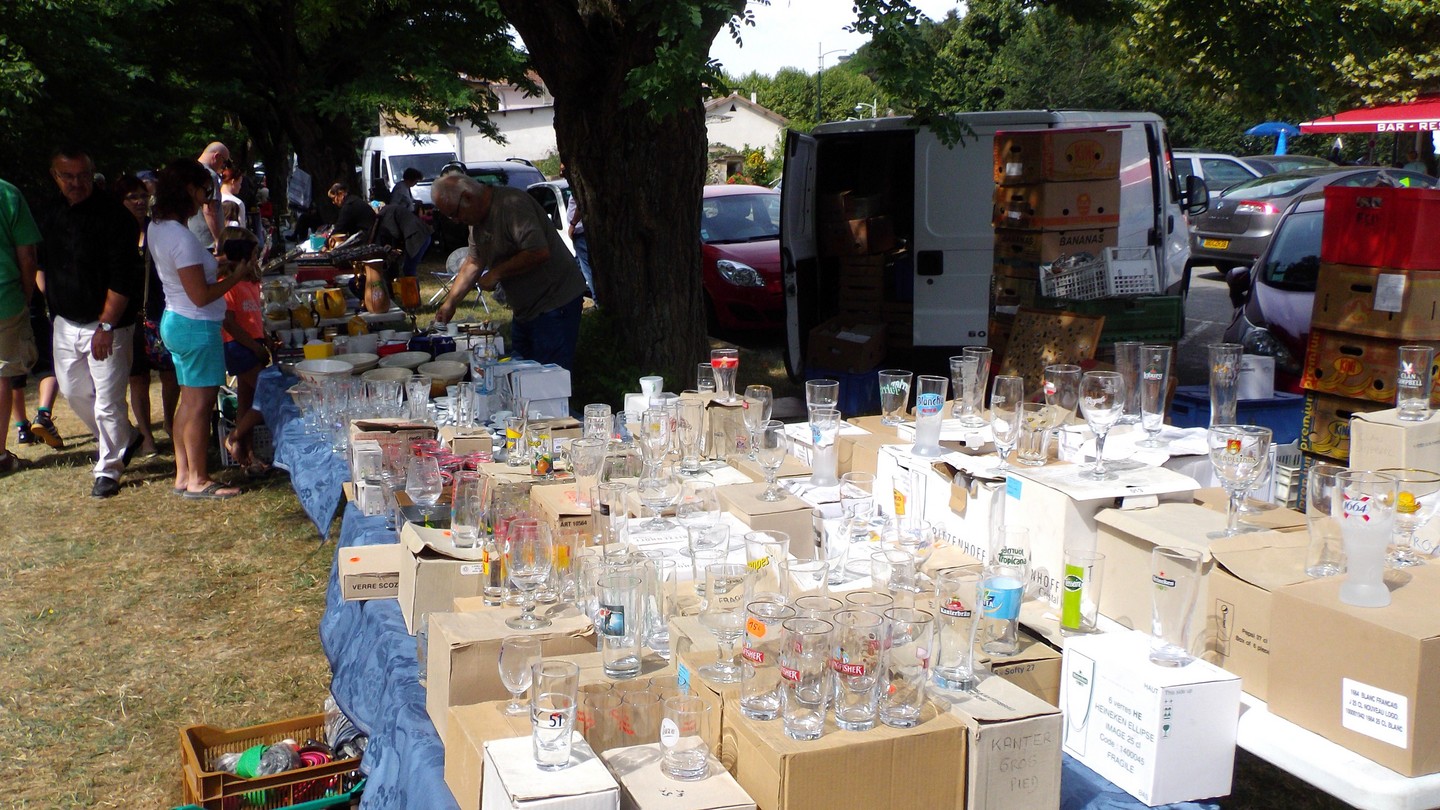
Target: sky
[{"x": 792, "y": 33}]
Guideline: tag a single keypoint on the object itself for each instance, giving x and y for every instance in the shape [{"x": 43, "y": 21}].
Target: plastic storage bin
[
  {"x": 317, "y": 786},
  {"x": 1281, "y": 413},
  {"x": 859, "y": 393}
]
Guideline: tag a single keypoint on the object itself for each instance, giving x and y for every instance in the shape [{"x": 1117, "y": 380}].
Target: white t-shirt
[{"x": 173, "y": 247}]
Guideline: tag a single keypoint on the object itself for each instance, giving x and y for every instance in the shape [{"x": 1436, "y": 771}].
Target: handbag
[{"x": 155, "y": 349}]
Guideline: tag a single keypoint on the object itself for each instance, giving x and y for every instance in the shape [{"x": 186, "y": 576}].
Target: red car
[{"x": 740, "y": 258}]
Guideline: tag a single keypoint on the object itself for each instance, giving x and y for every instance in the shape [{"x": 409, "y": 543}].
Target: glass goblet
[
  {"x": 517, "y": 655},
  {"x": 1102, "y": 400}
]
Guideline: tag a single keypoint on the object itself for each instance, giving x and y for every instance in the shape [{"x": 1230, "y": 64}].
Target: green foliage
[
  {"x": 791, "y": 93},
  {"x": 759, "y": 169}
]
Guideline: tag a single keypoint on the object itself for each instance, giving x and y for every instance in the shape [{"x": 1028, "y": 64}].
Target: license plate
[{"x": 1215, "y": 244}]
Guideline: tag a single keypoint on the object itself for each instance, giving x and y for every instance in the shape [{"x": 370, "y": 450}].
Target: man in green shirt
[{"x": 18, "y": 237}]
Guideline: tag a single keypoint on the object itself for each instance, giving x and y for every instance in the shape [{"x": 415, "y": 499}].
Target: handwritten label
[{"x": 755, "y": 627}]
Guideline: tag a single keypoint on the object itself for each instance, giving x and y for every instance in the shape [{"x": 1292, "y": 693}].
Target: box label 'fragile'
[{"x": 1375, "y": 713}]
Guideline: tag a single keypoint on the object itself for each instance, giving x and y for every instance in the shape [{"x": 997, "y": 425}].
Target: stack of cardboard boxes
[
  {"x": 1378, "y": 288},
  {"x": 1057, "y": 194}
]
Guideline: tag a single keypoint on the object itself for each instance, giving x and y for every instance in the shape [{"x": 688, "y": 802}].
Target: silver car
[{"x": 1242, "y": 218}]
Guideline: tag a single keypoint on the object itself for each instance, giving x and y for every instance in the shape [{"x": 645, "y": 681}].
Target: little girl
[{"x": 245, "y": 350}]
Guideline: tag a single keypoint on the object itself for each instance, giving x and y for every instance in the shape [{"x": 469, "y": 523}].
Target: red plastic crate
[{"x": 1382, "y": 227}]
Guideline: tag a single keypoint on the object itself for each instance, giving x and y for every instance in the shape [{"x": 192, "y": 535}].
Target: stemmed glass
[
  {"x": 654, "y": 437},
  {"x": 517, "y": 655},
  {"x": 759, "y": 402},
  {"x": 1239, "y": 454},
  {"x": 770, "y": 454},
  {"x": 1005, "y": 398},
  {"x": 728, "y": 587},
  {"x": 423, "y": 482},
  {"x": 1102, "y": 400},
  {"x": 656, "y": 491},
  {"x": 528, "y": 554},
  {"x": 1415, "y": 504},
  {"x": 1154, "y": 382}
]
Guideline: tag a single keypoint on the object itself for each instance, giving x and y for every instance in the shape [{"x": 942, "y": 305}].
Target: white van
[
  {"x": 941, "y": 203},
  {"x": 386, "y": 157}
]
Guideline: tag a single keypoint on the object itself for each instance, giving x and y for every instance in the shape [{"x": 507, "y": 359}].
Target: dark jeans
[
  {"x": 582, "y": 257},
  {"x": 550, "y": 337},
  {"x": 412, "y": 263}
]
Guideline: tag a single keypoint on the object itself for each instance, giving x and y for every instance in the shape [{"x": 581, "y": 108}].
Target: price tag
[{"x": 755, "y": 627}]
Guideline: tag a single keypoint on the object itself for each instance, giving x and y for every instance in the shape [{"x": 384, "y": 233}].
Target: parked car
[
  {"x": 740, "y": 258},
  {"x": 513, "y": 172},
  {"x": 1217, "y": 169},
  {"x": 1275, "y": 164},
  {"x": 1236, "y": 229},
  {"x": 554, "y": 197}
]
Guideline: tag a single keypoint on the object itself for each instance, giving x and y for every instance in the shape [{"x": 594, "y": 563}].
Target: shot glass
[
  {"x": 764, "y": 552},
  {"x": 1175, "y": 585},
  {"x": 805, "y": 677},
  {"x": 1412, "y": 383},
  {"x": 857, "y": 663},
  {"x": 1080, "y": 591},
  {"x": 759, "y": 659},
  {"x": 956, "y": 622},
  {"x": 908, "y": 641},
  {"x": 929, "y": 407},
  {"x": 553, "y": 689},
  {"x": 685, "y": 726},
  {"x": 894, "y": 395},
  {"x": 1325, "y": 555}
]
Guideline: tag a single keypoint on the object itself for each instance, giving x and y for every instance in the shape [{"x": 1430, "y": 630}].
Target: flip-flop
[
  {"x": 211, "y": 493},
  {"x": 177, "y": 491}
]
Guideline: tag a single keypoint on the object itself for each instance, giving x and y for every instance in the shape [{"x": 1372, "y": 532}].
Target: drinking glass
[
  {"x": 970, "y": 389},
  {"x": 703, "y": 558},
  {"x": 1127, "y": 365},
  {"x": 1102, "y": 399},
  {"x": 770, "y": 453},
  {"x": 1003, "y": 589},
  {"x": 1154, "y": 385},
  {"x": 759, "y": 667},
  {"x": 622, "y": 622},
  {"x": 609, "y": 513},
  {"x": 657, "y": 491},
  {"x": 704, "y": 537},
  {"x": 893, "y": 571},
  {"x": 814, "y": 606},
  {"x": 759, "y": 405},
  {"x": 596, "y": 717},
  {"x": 540, "y": 446},
  {"x": 515, "y": 441},
  {"x": 908, "y": 642},
  {"x": 1175, "y": 579},
  {"x": 856, "y": 662},
  {"x": 467, "y": 508},
  {"x": 462, "y": 405},
  {"x": 929, "y": 404},
  {"x": 1364, "y": 505},
  {"x": 423, "y": 482},
  {"x": 654, "y": 437},
  {"x": 705, "y": 378},
  {"x": 764, "y": 552},
  {"x": 805, "y": 649},
  {"x": 699, "y": 504},
  {"x": 657, "y": 599},
  {"x": 1415, "y": 501},
  {"x": 824, "y": 428},
  {"x": 725, "y": 363},
  {"x": 1080, "y": 591},
  {"x": 894, "y": 395},
  {"x": 955, "y": 626},
  {"x": 727, "y": 592},
  {"x": 689, "y": 425},
  {"x": 518, "y": 656},
  {"x": 1006, "y": 397},
  {"x": 598, "y": 422},
  {"x": 1224, "y": 382},
  {"x": 529, "y": 552},
  {"x": 1239, "y": 454},
  {"x": 804, "y": 578},
  {"x": 1033, "y": 444},
  {"x": 553, "y": 689},
  {"x": 586, "y": 457},
  {"x": 687, "y": 723},
  {"x": 1325, "y": 556},
  {"x": 417, "y": 396},
  {"x": 821, "y": 393},
  {"x": 566, "y": 544},
  {"x": 1412, "y": 384},
  {"x": 872, "y": 601},
  {"x": 1062, "y": 391}
]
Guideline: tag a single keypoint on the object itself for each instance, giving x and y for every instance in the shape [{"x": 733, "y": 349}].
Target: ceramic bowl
[
  {"x": 316, "y": 370},
  {"x": 410, "y": 360},
  {"x": 400, "y": 374},
  {"x": 362, "y": 361}
]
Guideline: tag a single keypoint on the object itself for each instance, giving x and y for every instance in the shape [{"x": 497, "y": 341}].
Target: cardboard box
[
  {"x": 466, "y": 730},
  {"x": 370, "y": 572},
  {"x": 389, "y": 430},
  {"x": 850, "y": 205},
  {"x": 883, "y": 767},
  {"x": 1010, "y": 288},
  {"x": 1282, "y": 518},
  {"x": 847, "y": 344},
  {"x": 1379, "y": 439},
  {"x": 1162, "y": 734},
  {"x": 464, "y": 648},
  {"x": 1375, "y": 301},
  {"x": 790, "y": 515},
  {"x": 856, "y": 237},
  {"x": 513, "y": 782},
  {"x": 1012, "y": 747},
  {"x": 644, "y": 786},
  {"x": 1058, "y": 206},
  {"x": 433, "y": 573},
  {"x": 1325, "y": 424},
  {"x": 1042, "y": 247},
  {"x": 1356, "y": 366},
  {"x": 1035, "y": 668},
  {"x": 555, "y": 505},
  {"x": 861, "y": 452},
  {"x": 1362, "y": 677},
  {"x": 464, "y": 441},
  {"x": 1387, "y": 227},
  {"x": 1248, "y": 569},
  {"x": 1079, "y": 153},
  {"x": 791, "y": 467}
]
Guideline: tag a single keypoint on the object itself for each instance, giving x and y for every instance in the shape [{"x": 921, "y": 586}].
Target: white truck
[
  {"x": 385, "y": 158},
  {"x": 940, "y": 205}
]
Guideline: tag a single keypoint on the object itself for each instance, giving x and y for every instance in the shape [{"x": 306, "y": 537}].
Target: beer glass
[
  {"x": 1032, "y": 447},
  {"x": 1102, "y": 400},
  {"x": 929, "y": 404},
  {"x": 683, "y": 730},
  {"x": 1325, "y": 556},
  {"x": 726, "y": 364},
  {"x": 770, "y": 453},
  {"x": 856, "y": 662},
  {"x": 1175, "y": 585},
  {"x": 1062, "y": 391},
  {"x": 467, "y": 509},
  {"x": 894, "y": 395},
  {"x": 727, "y": 592},
  {"x": 1154, "y": 385},
  {"x": 553, "y": 690},
  {"x": 1364, "y": 505},
  {"x": 586, "y": 457},
  {"x": 955, "y": 625},
  {"x": 1240, "y": 454},
  {"x": 759, "y": 663},
  {"x": 764, "y": 552},
  {"x": 759, "y": 403},
  {"x": 908, "y": 642},
  {"x": 622, "y": 622},
  {"x": 1412, "y": 383},
  {"x": 1417, "y": 495},
  {"x": 1224, "y": 382},
  {"x": 821, "y": 393},
  {"x": 1080, "y": 591},
  {"x": 970, "y": 388},
  {"x": 1127, "y": 365},
  {"x": 805, "y": 676},
  {"x": 1006, "y": 396},
  {"x": 529, "y": 553},
  {"x": 824, "y": 428}
]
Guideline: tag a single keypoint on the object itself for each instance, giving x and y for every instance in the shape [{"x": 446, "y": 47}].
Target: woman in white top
[
  {"x": 190, "y": 327},
  {"x": 230, "y": 180}
]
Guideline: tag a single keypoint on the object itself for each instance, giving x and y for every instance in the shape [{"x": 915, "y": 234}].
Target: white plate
[{"x": 410, "y": 360}]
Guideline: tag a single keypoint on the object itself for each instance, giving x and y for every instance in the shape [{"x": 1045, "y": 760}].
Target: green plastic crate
[{"x": 1159, "y": 318}]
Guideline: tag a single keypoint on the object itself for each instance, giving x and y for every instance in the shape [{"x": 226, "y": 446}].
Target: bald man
[{"x": 208, "y": 223}]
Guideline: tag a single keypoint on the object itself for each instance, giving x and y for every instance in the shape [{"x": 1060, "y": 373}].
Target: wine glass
[
  {"x": 770, "y": 453},
  {"x": 517, "y": 655},
  {"x": 656, "y": 491},
  {"x": 654, "y": 437},
  {"x": 1239, "y": 454},
  {"x": 1102, "y": 400},
  {"x": 1415, "y": 504},
  {"x": 1005, "y": 397},
  {"x": 423, "y": 482},
  {"x": 759, "y": 402},
  {"x": 728, "y": 587},
  {"x": 528, "y": 554}
]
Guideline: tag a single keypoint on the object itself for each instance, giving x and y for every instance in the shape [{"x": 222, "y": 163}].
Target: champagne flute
[
  {"x": 528, "y": 556},
  {"x": 1154, "y": 384},
  {"x": 517, "y": 655},
  {"x": 759, "y": 403},
  {"x": 423, "y": 482},
  {"x": 770, "y": 452},
  {"x": 1240, "y": 454},
  {"x": 1005, "y": 398},
  {"x": 1102, "y": 400}
]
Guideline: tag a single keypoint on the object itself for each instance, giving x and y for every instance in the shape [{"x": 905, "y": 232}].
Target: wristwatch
[{"x": 107, "y": 327}]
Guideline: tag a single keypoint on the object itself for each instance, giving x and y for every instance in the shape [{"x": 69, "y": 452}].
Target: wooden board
[{"x": 1041, "y": 337}]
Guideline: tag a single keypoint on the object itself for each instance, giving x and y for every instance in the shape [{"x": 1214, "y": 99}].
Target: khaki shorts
[{"x": 17, "y": 346}]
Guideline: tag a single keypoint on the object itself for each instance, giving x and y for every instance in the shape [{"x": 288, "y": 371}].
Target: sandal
[{"x": 216, "y": 491}]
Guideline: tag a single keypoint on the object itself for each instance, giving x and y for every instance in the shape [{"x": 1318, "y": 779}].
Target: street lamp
[
  {"x": 862, "y": 106},
  {"x": 818, "y": 114}
]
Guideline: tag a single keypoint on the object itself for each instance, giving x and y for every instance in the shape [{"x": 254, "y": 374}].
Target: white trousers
[{"x": 95, "y": 389}]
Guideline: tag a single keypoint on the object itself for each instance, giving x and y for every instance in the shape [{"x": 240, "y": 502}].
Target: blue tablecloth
[
  {"x": 1083, "y": 789},
  {"x": 316, "y": 473}
]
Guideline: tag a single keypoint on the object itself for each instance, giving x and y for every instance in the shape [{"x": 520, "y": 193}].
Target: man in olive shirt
[{"x": 514, "y": 246}]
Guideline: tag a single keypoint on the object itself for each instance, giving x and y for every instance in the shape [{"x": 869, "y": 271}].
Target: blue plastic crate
[
  {"x": 1281, "y": 413},
  {"x": 859, "y": 393}
]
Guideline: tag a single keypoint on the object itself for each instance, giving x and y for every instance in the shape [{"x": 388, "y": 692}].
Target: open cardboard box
[
  {"x": 644, "y": 786},
  {"x": 1240, "y": 588},
  {"x": 433, "y": 572}
]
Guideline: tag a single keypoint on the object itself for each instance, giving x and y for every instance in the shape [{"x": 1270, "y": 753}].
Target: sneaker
[
  {"x": 44, "y": 430},
  {"x": 105, "y": 487},
  {"x": 23, "y": 434}
]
